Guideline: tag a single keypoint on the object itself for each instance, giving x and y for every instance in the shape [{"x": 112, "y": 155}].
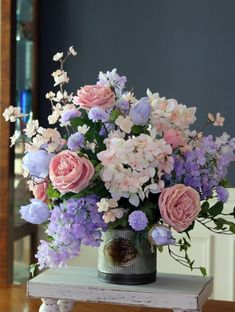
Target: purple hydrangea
[
  {"x": 104, "y": 131},
  {"x": 204, "y": 167},
  {"x": 138, "y": 220},
  {"x": 37, "y": 163},
  {"x": 162, "y": 235},
  {"x": 68, "y": 115},
  {"x": 140, "y": 112},
  {"x": 222, "y": 194},
  {"x": 72, "y": 223},
  {"x": 75, "y": 141},
  {"x": 98, "y": 114},
  {"x": 124, "y": 106},
  {"x": 36, "y": 212}
]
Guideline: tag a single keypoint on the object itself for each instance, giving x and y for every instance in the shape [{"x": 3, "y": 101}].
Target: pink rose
[
  {"x": 174, "y": 138},
  {"x": 40, "y": 191},
  {"x": 179, "y": 206},
  {"x": 69, "y": 172},
  {"x": 94, "y": 95}
]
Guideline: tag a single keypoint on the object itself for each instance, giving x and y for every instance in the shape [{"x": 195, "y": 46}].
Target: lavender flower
[
  {"x": 68, "y": 115},
  {"x": 75, "y": 141},
  {"x": 140, "y": 112},
  {"x": 37, "y": 163},
  {"x": 138, "y": 220},
  {"x": 205, "y": 166},
  {"x": 162, "y": 235},
  {"x": 75, "y": 222},
  {"x": 37, "y": 212},
  {"x": 98, "y": 114},
  {"x": 123, "y": 105},
  {"x": 222, "y": 194},
  {"x": 112, "y": 79}
]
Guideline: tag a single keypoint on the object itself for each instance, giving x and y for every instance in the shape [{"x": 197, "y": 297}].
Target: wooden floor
[{"x": 12, "y": 299}]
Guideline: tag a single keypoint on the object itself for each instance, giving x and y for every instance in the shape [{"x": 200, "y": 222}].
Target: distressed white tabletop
[{"x": 172, "y": 291}]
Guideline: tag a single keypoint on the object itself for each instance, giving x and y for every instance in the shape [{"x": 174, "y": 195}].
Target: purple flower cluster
[
  {"x": 36, "y": 212},
  {"x": 206, "y": 166},
  {"x": 75, "y": 141},
  {"x": 68, "y": 115},
  {"x": 140, "y": 112},
  {"x": 37, "y": 163},
  {"x": 98, "y": 114},
  {"x": 138, "y": 220},
  {"x": 75, "y": 222},
  {"x": 162, "y": 235}
]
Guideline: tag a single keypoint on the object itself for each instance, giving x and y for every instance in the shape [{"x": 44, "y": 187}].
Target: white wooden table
[{"x": 61, "y": 288}]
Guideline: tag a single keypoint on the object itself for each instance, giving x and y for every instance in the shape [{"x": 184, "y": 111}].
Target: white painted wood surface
[{"x": 172, "y": 291}]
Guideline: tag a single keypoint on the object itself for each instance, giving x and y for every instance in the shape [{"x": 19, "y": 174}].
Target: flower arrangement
[{"x": 121, "y": 162}]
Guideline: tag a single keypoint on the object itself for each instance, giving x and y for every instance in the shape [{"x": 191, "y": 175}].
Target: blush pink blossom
[
  {"x": 94, "y": 96},
  {"x": 174, "y": 138},
  {"x": 69, "y": 172},
  {"x": 40, "y": 191},
  {"x": 179, "y": 206}
]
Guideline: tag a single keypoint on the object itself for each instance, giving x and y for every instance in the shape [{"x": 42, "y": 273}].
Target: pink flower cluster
[
  {"x": 168, "y": 113},
  {"x": 133, "y": 167}
]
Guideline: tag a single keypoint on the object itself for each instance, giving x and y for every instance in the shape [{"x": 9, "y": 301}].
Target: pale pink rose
[
  {"x": 40, "y": 191},
  {"x": 179, "y": 206},
  {"x": 174, "y": 138},
  {"x": 94, "y": 95},
  {"x": 69, "y": 172}
]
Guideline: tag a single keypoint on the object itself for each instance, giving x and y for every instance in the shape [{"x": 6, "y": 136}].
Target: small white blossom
[
  {"x": 60, "y": 96},
  {"x": 61, "y": 78},
  {"x": 30, "y": 184},
  {"x": 72, "y": 51},
  {"x": 83, "y": 129},
  {"x": 103, "y": 205},
  {"x": 58, "y": 56},
  {"x": 113, "y": 214},
  {"x": 13, "y": 140},
  {"x": 124, "y": 123},
  {"x": 12, "y": 113},
  {"x": 56, "y": 73},
  {"x": 53, "y": 118},
  {"x": 50, "y": 95},
  {"x": 31, "y": 128},
  {"x": 129, "y": 97},
  {"x": 91, "y": 146}
]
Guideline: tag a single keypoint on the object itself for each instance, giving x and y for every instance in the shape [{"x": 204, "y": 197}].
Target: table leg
[
  {"x": 65, "y": 305},
  {"x": 49, "y": 305}
]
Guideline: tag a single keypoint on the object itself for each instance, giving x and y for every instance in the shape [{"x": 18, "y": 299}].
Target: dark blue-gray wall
[{"x": 182, "y": 49}]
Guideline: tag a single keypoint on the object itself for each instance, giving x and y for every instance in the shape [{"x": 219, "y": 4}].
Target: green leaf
[
  {"x": 216, "y": 209},
  {"x": 114, "y": 114},
  {"x": 224, "y": 183},
  {"x": 189, "y": 228},
  {"x": 232, "y": 228},
  {"x": 160, "y": 248},
  {"x": 52, "y": 193},
  {"x": 233, "y": 213},
  {"x": 136, "y": 130},
  {"x": 203, "y": 271},
  {"x": 205, "y": 206}
]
